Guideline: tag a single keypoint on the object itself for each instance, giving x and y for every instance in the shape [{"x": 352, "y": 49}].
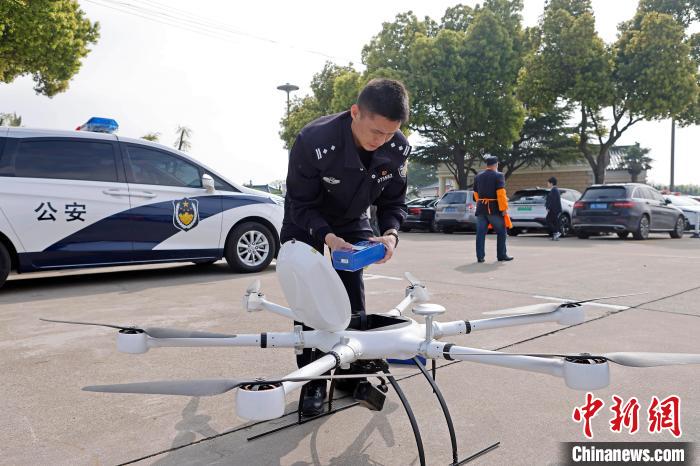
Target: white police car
[{"x": 71, "y": 199}]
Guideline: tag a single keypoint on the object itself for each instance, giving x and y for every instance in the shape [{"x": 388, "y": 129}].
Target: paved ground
[{"x": 46, "y": 419}]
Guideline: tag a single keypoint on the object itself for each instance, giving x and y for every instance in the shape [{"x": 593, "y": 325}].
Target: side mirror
[
  {"x": 667, "y": 201},
  {"x": 208, "y": 183}
]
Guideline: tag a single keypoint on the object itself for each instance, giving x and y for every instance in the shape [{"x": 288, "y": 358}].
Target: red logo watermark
[{"x": 661, "y": 415}]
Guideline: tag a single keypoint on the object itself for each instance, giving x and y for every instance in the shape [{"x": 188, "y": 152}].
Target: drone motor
[
  {"x": 260, "y": 402},
  {"x": 586, "y": 372},
  {"x": 132, "y": 341}
]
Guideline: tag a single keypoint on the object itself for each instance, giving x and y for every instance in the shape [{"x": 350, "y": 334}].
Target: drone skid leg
[{"x": 411, "y": 416}]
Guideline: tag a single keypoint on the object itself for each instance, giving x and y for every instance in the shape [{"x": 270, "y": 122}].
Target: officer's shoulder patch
[
  {"x": 325, "y": 150},
  {"x": 403, "y": 170},
  {"x": 401, "y": 147}
]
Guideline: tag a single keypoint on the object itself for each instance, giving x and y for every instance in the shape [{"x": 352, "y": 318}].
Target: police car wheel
[
  {"x": 250, "y": 247},
  {"x": 5, "y": 263}
]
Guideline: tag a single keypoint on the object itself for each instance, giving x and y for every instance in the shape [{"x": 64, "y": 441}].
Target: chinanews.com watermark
[
  {"x": 618, "y": 453},
  {"x": 657, "y": 416}
]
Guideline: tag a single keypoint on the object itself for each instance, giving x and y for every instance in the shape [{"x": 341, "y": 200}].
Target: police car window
[
  {"x": 5, "y": 168},
  {"x": 221, "y": 185},
  {"x": 67, "y": 160},
  {"x": 150, "y": 166}
]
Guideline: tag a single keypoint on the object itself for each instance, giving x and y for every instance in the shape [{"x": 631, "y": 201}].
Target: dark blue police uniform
[
  {"x": 330, "y": 188},
  {"x": 486, "y": 187}
]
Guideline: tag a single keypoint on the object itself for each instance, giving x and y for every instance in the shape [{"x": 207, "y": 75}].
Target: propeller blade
[
  {"x": 119, "y": 327},
  {"x": 531, "y": 309},
  {"x": 153, "y": 332},
  {"x": 652, "y": 359},
  {"x": 170, "y": 387},
  {"x": 604, "y": 297},
  {"x": 210, "y": 387},
  {"x": 412, "y": 279},
  {"x": 254, "y": 287}
]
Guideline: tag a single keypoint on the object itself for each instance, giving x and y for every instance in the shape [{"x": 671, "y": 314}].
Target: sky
[{"x": 221, "y": 82}]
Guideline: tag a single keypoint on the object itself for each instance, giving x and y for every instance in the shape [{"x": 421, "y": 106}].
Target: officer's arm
[
  {"x": 305, "y": 192},
  {"x": 391, "y": 203},
  {"x": 501, "y": 195}
]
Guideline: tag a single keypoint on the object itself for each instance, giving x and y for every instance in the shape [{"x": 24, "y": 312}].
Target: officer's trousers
[
  {"x": 353, "y": 285},
  {"x": 553, "y": 222},
  {"x": 499, "y": 224}
]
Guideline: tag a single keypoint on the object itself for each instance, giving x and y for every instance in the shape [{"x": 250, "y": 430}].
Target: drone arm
[
  {"x": 340, "y": 354},
  {"x": 460, "y": 327},
  {"x": 401, "y": 307},
  {"x": 449, "y": 351}
]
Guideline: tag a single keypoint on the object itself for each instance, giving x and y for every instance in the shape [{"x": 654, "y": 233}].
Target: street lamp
[{"x": 288, "y": 88}]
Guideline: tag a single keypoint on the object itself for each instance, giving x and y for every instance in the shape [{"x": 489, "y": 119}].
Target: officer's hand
[
  {"x": 336, "y": 243},
  {"x": 389, "y": 243}
]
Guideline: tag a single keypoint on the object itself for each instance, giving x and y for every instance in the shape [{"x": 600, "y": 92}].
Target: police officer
[
  {"x": 340, "y": 165},
  {"x": 491, "y": 209}
]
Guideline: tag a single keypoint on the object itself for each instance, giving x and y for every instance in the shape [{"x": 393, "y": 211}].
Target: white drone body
[{"x": 317, "y": 298}]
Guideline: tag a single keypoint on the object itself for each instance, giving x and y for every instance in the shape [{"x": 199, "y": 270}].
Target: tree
[
  {"x": 44, "y": 38},
  {"x": 10, "y": 119},
  {"x": 334, "y": 88},
  {"x": 461, "y": 75},
  {"x": 419, "y": 175},
  {"x": 154, "y": 137},
  {"x": 183, "y": 138},
  {"x": 544, "y": 139},
  {"x": 635, "y": 160},
  {"x": 647, "y": 74}
]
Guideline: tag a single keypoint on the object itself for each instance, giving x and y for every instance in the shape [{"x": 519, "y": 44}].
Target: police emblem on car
[{"x": 186, "y": 213}]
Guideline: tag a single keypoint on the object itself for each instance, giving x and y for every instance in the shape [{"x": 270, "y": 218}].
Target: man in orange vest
[{"x": 491, "y": 209}]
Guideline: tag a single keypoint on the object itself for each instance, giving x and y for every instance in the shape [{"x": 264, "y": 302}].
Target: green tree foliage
[
  {"x": 647, "y": 74},
  {"x": 334, "y": 88},
  {"x": 461, "y": 75},
  {"x": 44, "y": 38},
  {"x": 544, "y": 139},
  {"x": 635, "y": 160},
  {"x": 419, "y": 175},
  {"x": 154, "y": 137},
  {"x": 10, "y": 119}
]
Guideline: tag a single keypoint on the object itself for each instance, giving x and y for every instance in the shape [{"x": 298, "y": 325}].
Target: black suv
[{"x": 623, "y": 209}]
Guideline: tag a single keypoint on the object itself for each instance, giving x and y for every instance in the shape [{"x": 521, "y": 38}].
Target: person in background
[
  {"x": 491, "y": 209},
  {"x": 553, "y": 206}
]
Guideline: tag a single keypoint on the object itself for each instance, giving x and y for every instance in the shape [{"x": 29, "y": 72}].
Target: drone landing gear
[{"x": 445, "y": 410}]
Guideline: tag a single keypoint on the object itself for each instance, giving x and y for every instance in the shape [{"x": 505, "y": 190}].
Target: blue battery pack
[{"x": 362, "y": 254}]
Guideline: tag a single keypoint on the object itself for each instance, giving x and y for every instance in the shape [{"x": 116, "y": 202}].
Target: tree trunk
[
  {"x": 602, "y": 162},
  {"x": 461, "y": 172}
]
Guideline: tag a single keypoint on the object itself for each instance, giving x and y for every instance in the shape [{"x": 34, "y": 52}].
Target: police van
[{"x": 71, "y": 199}]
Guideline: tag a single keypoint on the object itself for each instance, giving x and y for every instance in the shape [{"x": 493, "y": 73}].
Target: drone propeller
[
  {"x": 412, "y": 279},
  {"x": 210, "y": 387},
  {"x": 153, "y": 332},
  {"x": 254, "y": 287},
  {"x": 629, "y": 359},
  {"x": 545, "y": 308}
]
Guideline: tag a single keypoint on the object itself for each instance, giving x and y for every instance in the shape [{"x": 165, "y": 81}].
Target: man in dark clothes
[
  {"x": 340, "y": 165},
  {"x": 553, "y": 206},
  {"x": 491, "y": 209}
]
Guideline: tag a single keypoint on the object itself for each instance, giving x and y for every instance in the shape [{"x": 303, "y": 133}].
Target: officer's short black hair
[
  {"x": 385, "y": 97},
  {"x": 552, "y": 180}
]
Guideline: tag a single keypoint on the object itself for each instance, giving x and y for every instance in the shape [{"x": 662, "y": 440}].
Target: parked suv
[
  {"x": 71, "y": 199},
  {"x": 455, "y": 211},
  {"x": 527, "y": 212},
  {"x": 626, "y": 208}
]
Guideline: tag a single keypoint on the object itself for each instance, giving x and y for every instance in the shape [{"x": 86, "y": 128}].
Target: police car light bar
[{"x": 99, "y": 125}]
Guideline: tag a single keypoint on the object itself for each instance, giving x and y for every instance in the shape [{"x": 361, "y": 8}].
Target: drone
[{"x": 317, "y": 297}]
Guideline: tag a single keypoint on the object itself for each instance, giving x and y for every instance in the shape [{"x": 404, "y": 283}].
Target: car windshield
[
  {"x": 455, "y": 197},
  {"x": 684, "y": 201},
  {"x": 594, "y": 194},
  {"x": 529, "y": 197}
]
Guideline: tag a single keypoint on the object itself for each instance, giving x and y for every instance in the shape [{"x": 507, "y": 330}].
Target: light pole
[
  {"x": 288, "y": 88},
  {"x": 672, "y": 186}
]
